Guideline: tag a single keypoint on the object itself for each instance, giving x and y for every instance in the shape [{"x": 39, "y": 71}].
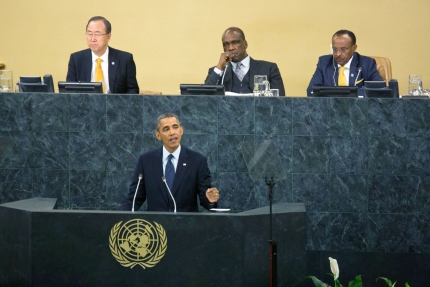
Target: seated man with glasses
[
  {"x": 100, "y": 63},
  {"x": 345, "y": 67},
  {"x": 236, "y": 70}
]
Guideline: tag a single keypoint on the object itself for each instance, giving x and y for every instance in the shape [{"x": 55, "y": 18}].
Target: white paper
[{"x": 220, "y": 209}]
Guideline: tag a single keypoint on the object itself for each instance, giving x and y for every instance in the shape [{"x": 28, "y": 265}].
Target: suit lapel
[
  {"x": 181, "y": 169},
  {"x": 158, "y": 173},
  {"x": 353, "y": 70},
  {"x": 113, "y": 64},
  {"x": 331, "y": 73},
  {"x": 87, "y": 67},
  {"x": 254, "y": 69},
  {"x": 228, "y": 79}
]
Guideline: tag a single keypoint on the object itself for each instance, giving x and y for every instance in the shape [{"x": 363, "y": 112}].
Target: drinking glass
[
  {"x": 275, "y": 92},
  {"x": 259, "y": 84},
  {"x": 415, "y": 85},
  {"x": 6, "y": 80}
]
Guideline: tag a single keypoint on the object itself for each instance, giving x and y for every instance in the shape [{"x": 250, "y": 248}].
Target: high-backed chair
[{"x": 383, "y": 65}]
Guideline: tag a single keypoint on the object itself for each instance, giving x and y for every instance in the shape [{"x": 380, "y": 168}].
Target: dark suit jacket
[
  {"x": 255, "y": 68},
  {"x": 327, "y": 72},
  {"x": 192, "y": 179},
  {"x": 122, "y": 70}
]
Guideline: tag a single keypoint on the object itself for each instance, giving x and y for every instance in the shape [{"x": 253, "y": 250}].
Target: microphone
[
  {"x": 135, "y": 193},
  {"x": 394, "y": 86},
  {"x": 359, "y": 71},
  {"x": 171, "y": 195},
  {"x": 223, "y": 74},
  {"x": 335, "y": 68}
]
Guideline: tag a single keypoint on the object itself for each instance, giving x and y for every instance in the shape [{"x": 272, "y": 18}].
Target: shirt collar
[
  {"x": 104, "y": 57},
  {"x": 175, "y": 153},
  {"x": 245, "y": 62},
  {"x": 347, "y": 65}
]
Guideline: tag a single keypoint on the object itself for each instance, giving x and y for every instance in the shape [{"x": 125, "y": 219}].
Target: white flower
[{"x": 334, "y": 267}]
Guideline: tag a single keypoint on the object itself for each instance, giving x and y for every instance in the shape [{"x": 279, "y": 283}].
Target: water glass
[
  {"x": 274, "y": 92},
  {"x": 6, "y": 81},
  {"x": 259, "y": 84},
  {"x": 415, "y": 85}
]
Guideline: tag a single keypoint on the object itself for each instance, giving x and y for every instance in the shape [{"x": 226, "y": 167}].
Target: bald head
[{"x": 237, "y": 30}]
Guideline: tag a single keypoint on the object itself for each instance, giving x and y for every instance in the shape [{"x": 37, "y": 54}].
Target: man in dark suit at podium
[
  {"x": 114, "y": 68},
  {"x": 172, "y": 175},
  {"x": 239, "y": 68},
  {"x": 344, "y": 67}
]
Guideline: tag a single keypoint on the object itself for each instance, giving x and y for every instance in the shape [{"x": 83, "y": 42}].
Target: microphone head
[
  {"x": 163, "y": 178},
  {"x": 140, "y": 176},
  {"x": 359, "y": 69}
]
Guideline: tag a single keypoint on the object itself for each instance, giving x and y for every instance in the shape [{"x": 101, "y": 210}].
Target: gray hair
[
  {"x": 163, "y": 116},
  {"x": 105, "y": 21}
]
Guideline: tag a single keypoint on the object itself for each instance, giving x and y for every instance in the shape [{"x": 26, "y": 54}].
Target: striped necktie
[{"x": 169, "y": 173}]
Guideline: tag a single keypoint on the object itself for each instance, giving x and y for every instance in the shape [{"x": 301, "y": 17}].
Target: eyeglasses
[
  {"x": 96, "y": 35},
  {"x": 342, "y": 50}
]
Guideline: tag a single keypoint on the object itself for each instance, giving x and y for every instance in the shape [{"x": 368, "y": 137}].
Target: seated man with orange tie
[
  {"x": 100, "y": 63},
  {"x": 345, "y": 67},
  {"x": 171, "y": 177}
]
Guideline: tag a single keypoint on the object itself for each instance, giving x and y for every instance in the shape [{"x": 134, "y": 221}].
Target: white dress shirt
[{"x": 175, "y": 158}]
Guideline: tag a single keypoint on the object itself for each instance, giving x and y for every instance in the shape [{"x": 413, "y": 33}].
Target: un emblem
[{"x": 138, "y": 242}]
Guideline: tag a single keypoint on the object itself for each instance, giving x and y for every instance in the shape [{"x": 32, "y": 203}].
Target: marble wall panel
[
  {"x": 361, "y": 166},
  {"x": 87, "y": 113},
  {"x": 15, "y": 112}
]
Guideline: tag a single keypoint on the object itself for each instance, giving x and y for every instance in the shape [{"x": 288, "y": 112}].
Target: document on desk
[
  {"x": 220, "y": 209},
  {"x": 237, "y": 94}
]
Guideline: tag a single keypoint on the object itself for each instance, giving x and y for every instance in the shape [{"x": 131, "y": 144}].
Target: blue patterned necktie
[
  {"x": 239, "y": 72},
  {"x": 169, "y": 173}
]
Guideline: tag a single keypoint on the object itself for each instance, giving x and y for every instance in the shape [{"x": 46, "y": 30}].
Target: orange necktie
[
  {"x": 99, "y": 73},
  {"x": 341, "y": 80}
]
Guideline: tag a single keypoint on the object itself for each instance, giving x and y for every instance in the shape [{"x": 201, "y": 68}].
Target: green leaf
[
  {"x": 386, "y": 281},
  {"x": 356, "y": 282},
  {"x": 337, "y": 283},
  {"x": 317, "y": 282},
  {"x": 407, "y": 284}
]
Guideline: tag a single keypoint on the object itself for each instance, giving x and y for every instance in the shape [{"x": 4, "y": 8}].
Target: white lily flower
[{"x": 334, "y": 267}]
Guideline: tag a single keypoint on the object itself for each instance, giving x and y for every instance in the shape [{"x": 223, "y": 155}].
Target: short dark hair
[
  {"x": 347, "y": 32},
  {"x": 105, "y": 21},
  {"x": 236, "y": 29},
  {"x": 163, "y": 116}
]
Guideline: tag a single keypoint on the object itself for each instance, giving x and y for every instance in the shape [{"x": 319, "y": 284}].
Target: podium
[{"x": 44, "y": 246}]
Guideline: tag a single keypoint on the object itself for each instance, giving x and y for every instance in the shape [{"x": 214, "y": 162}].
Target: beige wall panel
[{"x": 176, "y": 42}]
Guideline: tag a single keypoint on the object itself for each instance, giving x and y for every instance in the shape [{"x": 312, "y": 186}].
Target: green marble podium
[{"x": 44, "y": 246}]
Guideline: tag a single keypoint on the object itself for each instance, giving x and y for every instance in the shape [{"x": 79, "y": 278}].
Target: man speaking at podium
[
  {"x": 172, "y": 176},
  {"x": 239, "y": 68},
  {"x": 100, "y": 63}
]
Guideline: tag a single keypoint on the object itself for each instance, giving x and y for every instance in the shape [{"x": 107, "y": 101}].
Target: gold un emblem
[{"x": 138, "y": 242}]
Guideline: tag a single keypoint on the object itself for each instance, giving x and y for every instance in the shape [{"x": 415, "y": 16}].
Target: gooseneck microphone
[
  {"x": 171, "y": 195},
  {"x": 223, "y": 74},
  {"x": 334, "y": 73},
  {"x": 359, "y": 71},
  {"x": 135, "y": 193}
]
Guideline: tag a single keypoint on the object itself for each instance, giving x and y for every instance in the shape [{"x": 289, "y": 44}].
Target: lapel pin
[
  {"x": 184, "y": 164},
  {"x": 352, "y": 75},
  {"x": 113, "y": 63}
]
